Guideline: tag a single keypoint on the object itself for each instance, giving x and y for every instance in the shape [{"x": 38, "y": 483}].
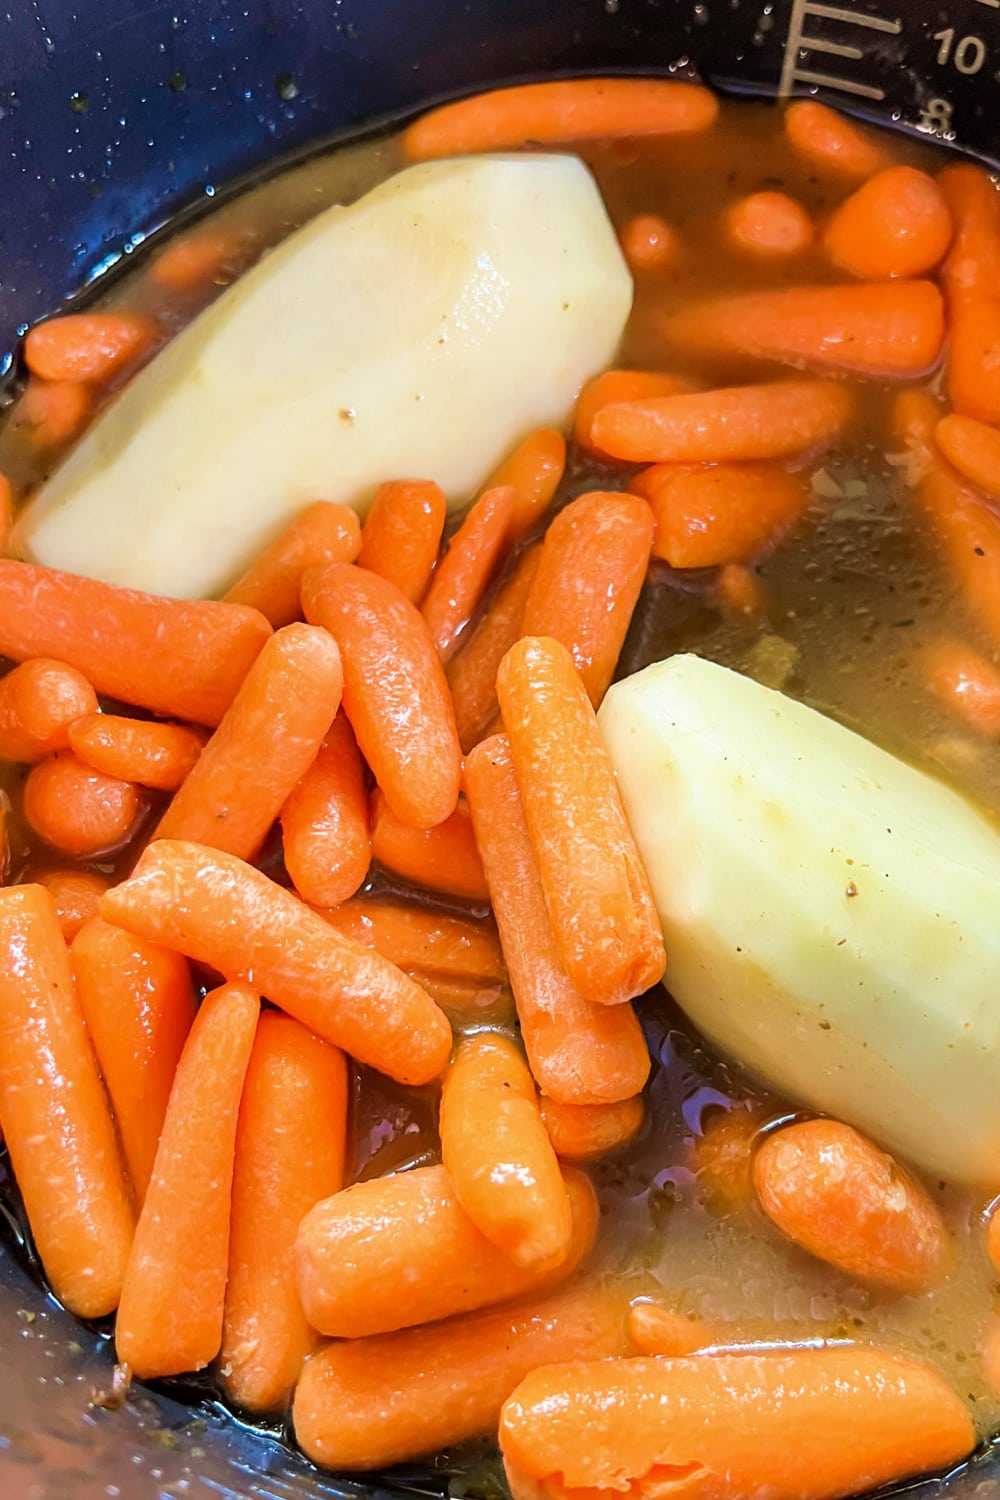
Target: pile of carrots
[{"x": 175, "y": 1069}]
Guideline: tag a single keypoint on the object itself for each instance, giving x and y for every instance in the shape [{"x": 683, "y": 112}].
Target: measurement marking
[
  {"x": 845, "y": 85},
  {"x": 858, "y": 18},
  {"x": 817, "y": 44}
]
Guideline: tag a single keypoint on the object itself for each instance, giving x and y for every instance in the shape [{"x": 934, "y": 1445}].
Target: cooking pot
[{"x": 116, "y": 116}]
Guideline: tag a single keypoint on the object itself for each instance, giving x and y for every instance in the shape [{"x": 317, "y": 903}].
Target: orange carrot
[
  {"x": 579, "y": 1053},
  {"x": 739, "y": 590},
  {"x": 873, "y": 329},
  {"x": 722, "y": 1157},
  {"x": 77, "y": 896},
  {"x": 472, "y": 672},
  {"x": 170, "y": 1317},
  {"x": 966, "y": 532},
  {"x": 498, "y": 1155},
  {"x": 140, "y": 750},
  {"x": 486, "y": 1001},
  {"x": 193, "y": 260},
  {"x": 55, "y": 1114},
  {"x": 569, "y": 110},
  {"x": 395, "y": 692},
  {"x": 39, "y": 700},
  {"x": 769, "y": 224},
  {"x": 221, "y": 912},
  {"x": 967, "y": 683},
  {"x": 87, "y": 346},
  {"x": 596, "y": 890},
  {"x": 464, "y": 572},
  {"x": 266, "y": 742},
  {"x": 53, "y": 411},
  {"x": 579, "y": 1132},
  {"x": 6, "y": 511},
  {"x": 897, "y": 224},
  {"x": 366, "y": 1403},
  {"x": 973, "y": 449},
  {"x": 415, "y": 938},
  {"x": 323, "y": 533},
  {"x": 183, "y": 659},
  {"x": 649, "y": 243},
  {"x": 443, "y": 858},
  {"x": 615, "y": 387},
  {"x": 138, "y": 1002},
  {"x": 324, "y": 822},
  {"x": 655, "y": 1329},
  {"x": 402, "y": 534},
  {"x": 593, "y": 563},
  {"x": 290, "y": 1145},
  {"x": 993, "y": 1239},
  {"x": 78, "y": 810},
  {"x": 842, "y": 1419},
  {"x": 396, "y": 1251},
  {"x": 832, "y": 142},
  {"x": 970, "y": 282},
  {"x": 884, "y": 1230},
  {"x": 533, "y": 472},
  {"x": 705, "y": 516},
  {"x": 737, "y": 424}
]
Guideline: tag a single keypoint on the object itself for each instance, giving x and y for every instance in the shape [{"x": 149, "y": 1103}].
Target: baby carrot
[
  {"x": 289, "y": 1156},
  {"x": 77, "y": 895},
  {"x": 573, "y": 109},
  {"x": 655, "y": 1329},
  {"x": 6, "y": 511},
  {"x": 266, "y": 742},
  {"x": 324, "y": 822},
  {"x": 579, "y": 1132},
  {"x": 463, "y": 574},
  {"x": 649, "y": 243},
  {"x": 706, "y": 516},
  {"x": 38, "y": 702},
  {"x": 472, "y": 671},
  {"x": 402, "y": 534},
  {"x": 579, "y": 1053},
  {"x": 86, "y": 346},
  {"x": 735, "y": 424},
  {"x": 138, "y": 1002},
  {"x": 183, "y": 659},
  {"x": 967, "y": 683},
  {"x": 395, "y": 692},
  {"x": 831, "y": 141},
  {"x": 53, "y": 411},
  {"x": 413, "y": 937},
  {"x": 533, "y": 472},
  {"x": 973, "y": 448},
  {"x": 219, "y": 911},
  {"x": 78, "y": 810},
  {"x": 55, "y": 1114},
  {"x": 969, "y": 276},
  {"x": 897, "y": 224},
  {"x": 831, "y": 1191},
  {"x": 615, "y": 387},
  {"x": 769, "y": 224},
  {"x": 594, "y": 559},
  {"x": 596, "y": 890},
  {"x": 443, "y": 858},
  {"x": 722, "y": 1157},
  {"x": 844, "y": 1419},
  {"x": 400, "y": 1250},
  {"x": 152, "y": 754},
  {"x": 498, "y": 1155},
  {"x": 366, "y": 1403},
  {"x": 323, "y": 533},
  {"x": 871, "y": 328},
  {"x": 170, "y": 1316},
  {"x": 193, "y": 260},
  {"x": 993, "y": 1239}
]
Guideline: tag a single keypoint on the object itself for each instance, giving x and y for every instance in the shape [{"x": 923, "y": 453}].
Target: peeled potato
[
  {"x": 830, "y": 913},
  {"x": 422, "y": 332}
]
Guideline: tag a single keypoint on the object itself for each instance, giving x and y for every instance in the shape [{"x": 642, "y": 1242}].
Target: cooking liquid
[{"x": 852, "y": 597}]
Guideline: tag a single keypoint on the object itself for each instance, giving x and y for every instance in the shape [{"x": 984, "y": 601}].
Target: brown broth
[{"x": 852, "y": 597}]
